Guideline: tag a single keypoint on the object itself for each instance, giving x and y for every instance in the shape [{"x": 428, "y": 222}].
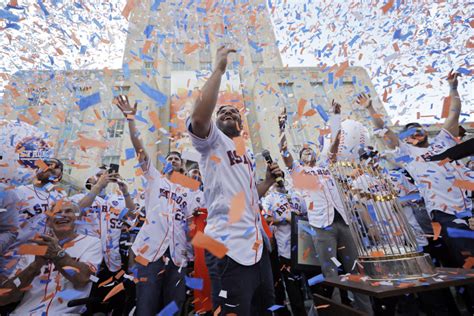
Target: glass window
[
  {"x": 287, "y": 89},
  {"x": 257, "y": 57},
  {"x": 148, "y": 65},
  {"x": 205, "y": 55},
  {"x": 115, "y": 128},
  {"x": 206, "y": 65},
  {"x": 178, "y": 65}
]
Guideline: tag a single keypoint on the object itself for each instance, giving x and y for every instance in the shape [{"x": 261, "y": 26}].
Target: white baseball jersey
[
  {"x": 102, "y": 220},
  {"x": 226, "y": 174},
  {"x": 33, "y": 203},
  {"x": 322, "y": 201},
  {"x": 280, "y": 206},
  {"x": 166, "y": 205},
  {"x": 435, "y": 181},
  {"x": 44, "y": 297}
]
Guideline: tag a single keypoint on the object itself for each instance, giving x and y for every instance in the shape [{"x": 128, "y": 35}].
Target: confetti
[
  {"x": 237, "y": 207},
  {"x": 194, "y": 283},
  {"x": 88, "y": 101},
  {"x": 316, "y": 279},
  {"x": 213, "y": 246}
]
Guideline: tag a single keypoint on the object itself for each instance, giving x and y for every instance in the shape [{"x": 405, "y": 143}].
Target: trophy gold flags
[{"x": 386, "y": 244}]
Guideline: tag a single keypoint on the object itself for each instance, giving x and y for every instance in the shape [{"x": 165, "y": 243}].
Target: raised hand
[
  {"x": 336, "y": 107},
  {"x": 282, "y": 118},
  {"x": 364, "y": 100},
  {"x": 105, "y": 179},
  {"x": 122, "y": 185},
  {"x": 453, "y": 79},
  {"x": 128, "y": 111},
  {"x": 52, "y": 244},
  {"x": 221, "y": 57}
]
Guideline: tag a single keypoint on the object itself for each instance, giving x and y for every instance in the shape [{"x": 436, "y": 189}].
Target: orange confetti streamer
[
  {"x": 185, "y": 181},
  {"x": 201, "y": 240},
  {"x": 155, "y": 119},
  {"x": 436, "y": 229},
  {"x": 36, "y": 250},
  {"x": 464, "y": 184},
  {"x": 237, "y": 207},
  {"x": 301, "y": 104},
  {"x": 387, "y": 6},
  {"x": 239, "y": 145},
  {"x": 468, "y": 263},
  {"x": 189, "y": 49},
  {"x": 128, "y": 8},
  {"x": 446, "y": 107},
  {"x": 116, "y": 289},
  {"x": 141, "y": 260}
]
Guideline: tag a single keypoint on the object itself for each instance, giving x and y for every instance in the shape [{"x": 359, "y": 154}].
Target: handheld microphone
[{"x": 269, "y": 160}]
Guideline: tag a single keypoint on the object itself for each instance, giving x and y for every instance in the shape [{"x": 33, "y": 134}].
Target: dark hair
[
  {"x": 223, "y": 106},
  {"x": 193, "y": 166},
  {"x": 367, "y": 152},
  {"x": 55, "y": 161},
  {"x": 176, "y": 153},
  {"x": 305, "y": 148},
  {"x": 411, "y": 125}
]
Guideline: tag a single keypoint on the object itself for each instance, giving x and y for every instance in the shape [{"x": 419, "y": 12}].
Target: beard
[
  {"x": 230, "y": 129},
  {"x": 421, "y": 143}
]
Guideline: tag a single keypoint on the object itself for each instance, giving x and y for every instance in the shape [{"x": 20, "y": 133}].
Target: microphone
[
  {"x": 269, "y": 160},
  {"x": 84, "y": 301}
]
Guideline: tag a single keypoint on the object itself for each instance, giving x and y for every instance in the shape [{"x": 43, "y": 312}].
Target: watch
[{"x": 60, "y": 254}]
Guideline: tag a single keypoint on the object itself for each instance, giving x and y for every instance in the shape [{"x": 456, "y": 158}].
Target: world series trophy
[{"x": 386, "y": 244}]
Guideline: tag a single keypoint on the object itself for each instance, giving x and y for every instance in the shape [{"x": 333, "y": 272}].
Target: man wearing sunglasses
[{"x": 446, "y": 203}]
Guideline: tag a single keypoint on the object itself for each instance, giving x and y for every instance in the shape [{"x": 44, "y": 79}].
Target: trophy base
[{"x": 397, "y": 267}]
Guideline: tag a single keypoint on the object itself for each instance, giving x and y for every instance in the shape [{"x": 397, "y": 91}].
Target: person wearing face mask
[
  {"x": 325, "y": 211},
  {"x": 106, "y": 216},
  {"x": 446, "y": 203},
  {"x": 161, "y": 246},
  {"x": 45, "y": 283},
  {"x": 36, "y": 198}
]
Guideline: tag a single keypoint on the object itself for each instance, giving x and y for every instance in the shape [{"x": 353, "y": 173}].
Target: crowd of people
[{"x": 106, "y": 251}]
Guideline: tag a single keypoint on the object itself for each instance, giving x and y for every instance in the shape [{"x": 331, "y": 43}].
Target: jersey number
[{"x": 115, "y": 223}]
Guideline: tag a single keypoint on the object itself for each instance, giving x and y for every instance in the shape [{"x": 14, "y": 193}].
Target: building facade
[{"x": 168, "y": 55}]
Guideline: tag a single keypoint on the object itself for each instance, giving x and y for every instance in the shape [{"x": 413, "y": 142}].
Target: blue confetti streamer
[
  {"x": 156, "y": 95},
  {"x": 316, "y": 279},
  {"x": 322, "y": 113},
  {"x": 194, "y": 283},
  {"x": 169, "y": 309},
  {"x": 275, "y": 307},
  {"x": 88, "y": 101},
  {"x": 129, "y": 153},
  {"x": 460, "y": 233},
  {"x": 7, "y": 15},
  {"x": 43, "y": 8}
]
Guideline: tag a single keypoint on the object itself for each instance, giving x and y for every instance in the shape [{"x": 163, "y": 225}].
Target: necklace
[{"x": 38, "y": 195}]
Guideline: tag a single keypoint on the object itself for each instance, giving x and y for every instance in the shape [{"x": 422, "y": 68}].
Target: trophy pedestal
[{"x": 412, "y": 266}]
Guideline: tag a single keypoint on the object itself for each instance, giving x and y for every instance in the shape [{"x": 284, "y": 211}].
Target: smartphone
[{"x": 113, "y": 168}]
